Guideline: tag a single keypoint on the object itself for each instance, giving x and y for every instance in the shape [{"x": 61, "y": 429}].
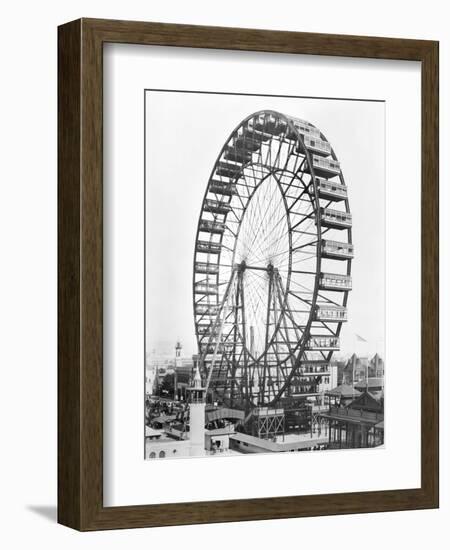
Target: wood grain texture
[
  {"x": 430, "y": 273},
  {"x": 69, "y": 242},
  {"x": 80, "y": 241}
]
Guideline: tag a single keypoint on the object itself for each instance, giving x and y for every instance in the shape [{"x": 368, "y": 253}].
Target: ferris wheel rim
[{"x": 300, "y": 348}]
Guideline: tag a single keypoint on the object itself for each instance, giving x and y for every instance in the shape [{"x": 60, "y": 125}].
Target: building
[
  {"x": 375, "y": 386},
  {"x": 173, "y": 371},
  {"x": 178, "y": 361},
  {"x": 220, "y": 424},
  {"x": 359, "y": 424},
  {"x": 217, "y": 440},
  {"x": 182, "y": 379},
  {"x": 331, "y": 380},
  {"x": 376, "y": 367},
  {"x": 174, "y": 441},
  {"x": 342, "y": 395},
  {"x": 357, "y": 369},
  {"x": 150, "y": 378}
]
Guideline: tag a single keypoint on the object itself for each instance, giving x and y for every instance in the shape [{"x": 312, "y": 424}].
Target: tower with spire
[
  {"x": 197, "y": 415},
  {"x": 178, "y": 362}
]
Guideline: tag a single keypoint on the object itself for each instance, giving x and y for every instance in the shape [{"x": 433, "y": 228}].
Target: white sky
[{"x": 185, "y": 133}]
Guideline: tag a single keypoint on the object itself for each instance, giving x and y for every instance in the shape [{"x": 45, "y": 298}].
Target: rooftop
[
  {"x": 150, "y": 432},
  {"x": 370, "y": 383},
  {"x": 291, "y": 442},
  {"x": 367, "y": 402},
  {"x": 354, "y": 416},
  {"x": 344, "y": 390}
]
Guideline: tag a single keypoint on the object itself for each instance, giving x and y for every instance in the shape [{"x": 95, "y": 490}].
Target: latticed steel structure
[
  {"x": 267, "y": 422},
  {"x": 272, "y": 262}
]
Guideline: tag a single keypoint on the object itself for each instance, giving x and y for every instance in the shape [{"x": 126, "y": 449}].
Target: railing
[
  {"x": 331, "y": 188},
  {"x": 253, "y": 133},
  {"x": 346, "y": 412},
  {"x": 297, "y": 390},
  {"x": 227, "y": 169},
  {"x": 222, "y": 188},
  {"x": 238, "y": 155},
  {"x": 208, "y": 247},
  {"x": 206, "y": 310},
  {"x": 269, "y": 124},
  {"x": 326, "y": 163},
  {"x": 335, "y": 281},
  {"x": 205, "y": 288},
  {"x": 205, "y": 267},
  {"x": 266, "y": 411},
  {"x": 323, "y": 342},
  {"x": 304, "y": 127},
  {"x": 335, "y": 217},
  {"x": 331, "y": 313},
  {"x": 320, "y": 408},
  {"x": 217, "y": 206},
  {"x": 337, "y": 248},
  {"x": 213, "y": 227},
  {"x": 243, "y": 143},
  {"x": 324, "y": 372},
  {"x": 204, "y": 329},
  {"x": 313, "y": 142}
]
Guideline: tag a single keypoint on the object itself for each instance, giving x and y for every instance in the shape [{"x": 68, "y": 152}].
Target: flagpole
[{"x": 361, "y": 339}]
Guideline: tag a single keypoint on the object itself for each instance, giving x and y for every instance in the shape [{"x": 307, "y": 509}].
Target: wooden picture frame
[{"x": 80, "y": 272}]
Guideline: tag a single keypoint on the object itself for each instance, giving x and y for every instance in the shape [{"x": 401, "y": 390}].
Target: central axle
[{"x": 243, "y": 266}]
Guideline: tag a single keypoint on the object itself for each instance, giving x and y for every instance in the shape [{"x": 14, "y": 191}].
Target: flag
[{"x": 360, "y": 338}]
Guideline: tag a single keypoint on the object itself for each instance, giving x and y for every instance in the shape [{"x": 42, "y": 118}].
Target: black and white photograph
[
  {"x": 264, "y": 274},
  {"x": 225, "y": 263}
]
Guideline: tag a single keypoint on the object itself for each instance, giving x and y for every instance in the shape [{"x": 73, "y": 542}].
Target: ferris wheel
[{"x": 272, "y": 262}]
